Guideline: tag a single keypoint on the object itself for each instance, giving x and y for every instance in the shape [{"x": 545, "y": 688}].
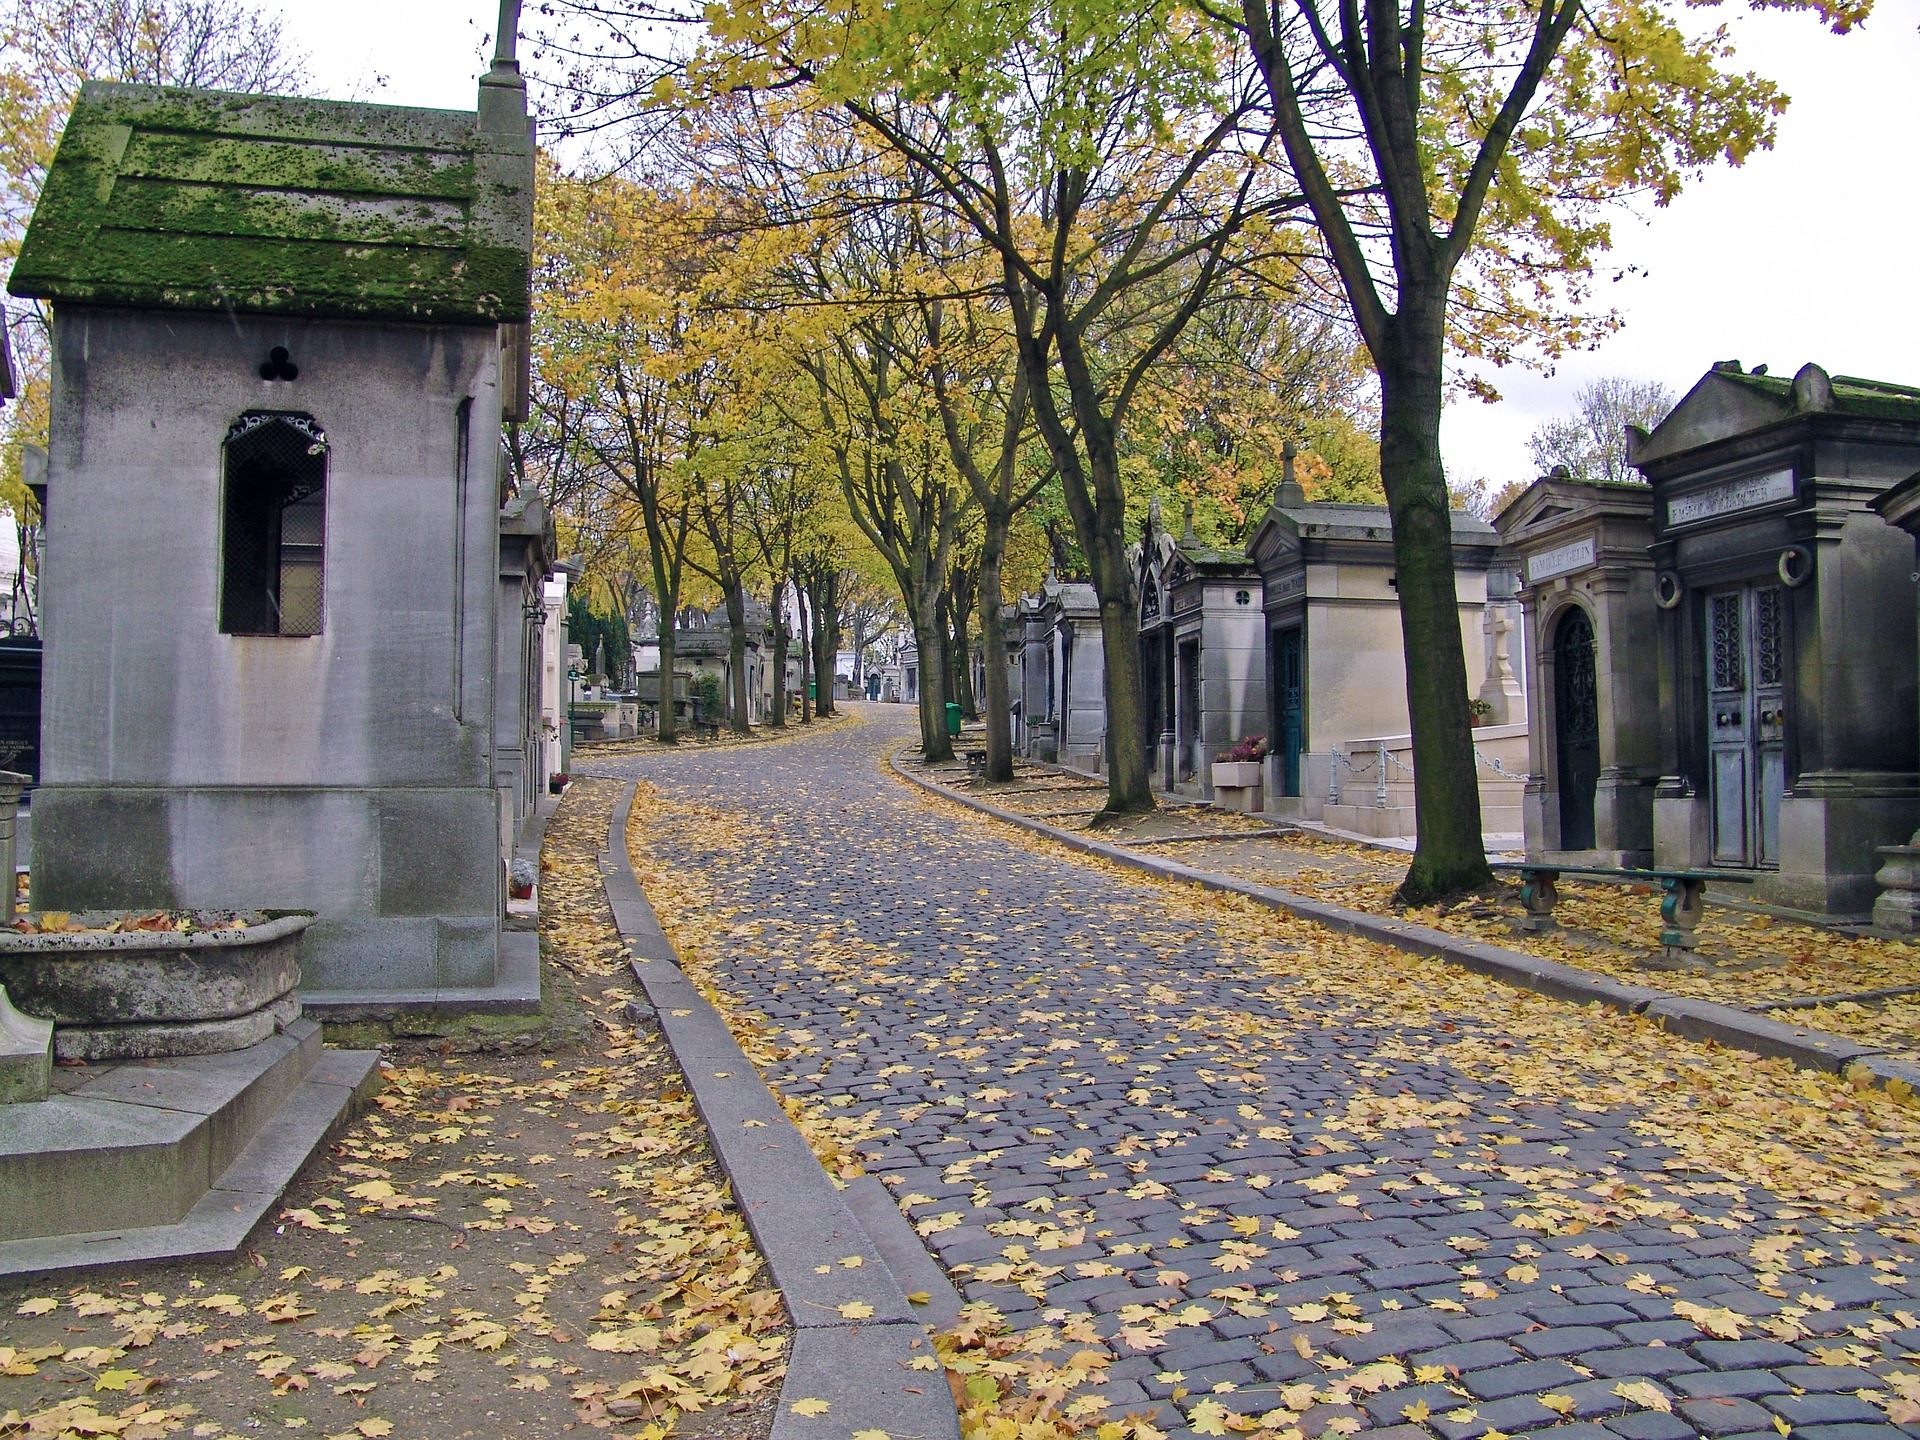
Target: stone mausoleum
[
  {"x": 1586, "y": 592},
  {"x": 1203, "y": 664},
  {"x": 1337, "y": 687},
  {"x": 1785, "y": 621},
  {"x": 280, "y": 627}
]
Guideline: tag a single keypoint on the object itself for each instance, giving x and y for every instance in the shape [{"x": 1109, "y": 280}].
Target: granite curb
[
  {"x": 823, "y": 1257},
  {"x": 1805, "y": 1047}
]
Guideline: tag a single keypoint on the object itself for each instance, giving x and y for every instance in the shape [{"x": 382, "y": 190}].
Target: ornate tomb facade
[
  {"x": 1587, "y": 601},
  {"x": 1337, "y": 690},
  {"x": 1063, "y": 681},
  {"x": 1783, "y": 612},
  {"x": 1202, "y": 654}
]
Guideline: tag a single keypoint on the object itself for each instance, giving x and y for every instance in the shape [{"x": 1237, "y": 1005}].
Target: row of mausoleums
[
  {"x": 1296, "y": 639},
  {"x": 1712, "y": 669}
]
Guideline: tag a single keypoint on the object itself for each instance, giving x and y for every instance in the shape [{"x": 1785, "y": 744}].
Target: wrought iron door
[
  {"x": 1289, "y": 666},
  {"x": 1746, "y": 722},
  {"x": 1576, "y": 714}
]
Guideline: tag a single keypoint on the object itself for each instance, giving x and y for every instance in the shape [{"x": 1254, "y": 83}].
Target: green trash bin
[{"x": 953, "y": 720}]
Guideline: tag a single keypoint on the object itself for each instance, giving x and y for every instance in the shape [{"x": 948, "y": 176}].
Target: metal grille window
[{"x": 273, "y": 541}]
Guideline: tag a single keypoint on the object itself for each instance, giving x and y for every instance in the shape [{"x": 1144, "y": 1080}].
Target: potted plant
[
  {"x": 1239, "y": 767},
  {"x": 1480, "y": 709},
  {"x": 557, "y": 782}
]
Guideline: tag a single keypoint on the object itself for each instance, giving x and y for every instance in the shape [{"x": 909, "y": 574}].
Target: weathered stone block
[{"x": 26, "y": 1054}]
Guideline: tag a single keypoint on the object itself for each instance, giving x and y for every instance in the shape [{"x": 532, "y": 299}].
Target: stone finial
[
  {"x": 1637, "y": 437},
  {"x": 1187, "y": 534},
  {"x": 503, "y": 90},
  {"x": 1812, "y": 388},
  {"x": 1290, "y": 492},
  {"x": 26, "y": 1055},
  {"x": 1153, "y": 515}
]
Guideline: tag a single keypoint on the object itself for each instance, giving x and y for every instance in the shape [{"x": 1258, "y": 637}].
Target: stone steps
[{"x": 167, "y": 1158}]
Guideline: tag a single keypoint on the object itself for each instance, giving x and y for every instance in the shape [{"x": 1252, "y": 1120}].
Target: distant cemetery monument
[{"x": 287, "y": 657}]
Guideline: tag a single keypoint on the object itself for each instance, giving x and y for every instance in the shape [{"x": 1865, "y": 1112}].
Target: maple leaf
[
  {"x": 1717, "y": 1321},
  {"x": 1209, "y": 1417},
  {"x": 810, "y": 1407},
  {"x": 1644, "y": 1394}
]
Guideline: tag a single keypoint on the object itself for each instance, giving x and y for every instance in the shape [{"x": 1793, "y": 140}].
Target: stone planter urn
[
  {"x": 125, "y": 994},
  {"x": 1236, "y": 784},
  {"x": 1236, "y": 774}
]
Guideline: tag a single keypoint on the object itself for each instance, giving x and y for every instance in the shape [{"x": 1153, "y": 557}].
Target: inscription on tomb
[
  {"x": 1561, "y": 560},
  {"x": 1748, "y": 493}
]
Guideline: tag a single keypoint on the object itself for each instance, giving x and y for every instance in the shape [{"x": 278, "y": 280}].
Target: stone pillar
[{"x": 1897, "y": 907}]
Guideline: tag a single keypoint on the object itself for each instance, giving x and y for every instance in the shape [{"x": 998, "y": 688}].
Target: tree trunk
[
  {"x": 740, "y": 722},
  {"x": 1450, "y": 854},
  {"x": 668, "y": 730},
  {"x": 993, "y": 640},
  {"x": 935, "y": 744},
  {"x": 823, "y": 656},
  {"x": 777, "y": 712},
  {"x": 806, "y": 651},
  {"x": 962, "y": 662},
  {"x": 1129, "y": 781}
]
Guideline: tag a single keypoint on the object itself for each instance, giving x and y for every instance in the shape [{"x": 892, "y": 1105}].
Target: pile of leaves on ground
[
  {"x": 173, "y": 922},
  {"x": 1790, "y": 1162},
  {"x": 690, "y": 739},
  {"x": 1756, "y": 961},
  {"x": 1752, "y": 960},
  {"x": 502, "y": 1244}
]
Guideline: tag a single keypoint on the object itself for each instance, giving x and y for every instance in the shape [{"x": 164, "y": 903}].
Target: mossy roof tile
[{"x": 196, "y": 199}]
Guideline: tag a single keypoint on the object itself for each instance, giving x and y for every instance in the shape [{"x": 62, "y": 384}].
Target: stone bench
[{"x": 1683, "y": 896}]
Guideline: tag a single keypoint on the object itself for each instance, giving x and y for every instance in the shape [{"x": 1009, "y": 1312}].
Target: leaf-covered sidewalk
[
  {"x": 502, "y": 1244},
  {"x": 1774, "y": 966}
]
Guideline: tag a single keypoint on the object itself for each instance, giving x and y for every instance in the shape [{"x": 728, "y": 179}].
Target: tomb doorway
[
  {"x": 1746, "y": 722},
  {"x": 1576, "y": 719},
  {"x": 1187, "y": 711},
  {"x": 1290, "y": 707}
]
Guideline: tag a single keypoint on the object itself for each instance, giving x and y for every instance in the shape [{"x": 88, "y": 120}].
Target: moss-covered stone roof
[
  {"x": 1852, "y": 395},
  {"x": 201, "y": 200}
]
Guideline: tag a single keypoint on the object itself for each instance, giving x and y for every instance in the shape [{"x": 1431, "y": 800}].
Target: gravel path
[{"x": 1257, "y": 1159}]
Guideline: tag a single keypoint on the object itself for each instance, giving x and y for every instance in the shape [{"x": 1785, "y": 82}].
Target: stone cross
[
  {"x": 1291, "y": 492},
  {"x": 1500, "y": 689}
]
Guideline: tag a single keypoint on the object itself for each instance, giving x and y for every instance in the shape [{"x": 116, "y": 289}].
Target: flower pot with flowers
[{"x": 1240, "y": 767}]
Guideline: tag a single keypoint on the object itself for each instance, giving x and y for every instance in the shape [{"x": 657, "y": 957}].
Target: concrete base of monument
[
  {"x": 515, "y": 991},
  {"x": 167, "y": 1159}
]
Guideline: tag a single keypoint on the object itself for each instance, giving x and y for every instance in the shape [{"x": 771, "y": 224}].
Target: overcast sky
[{"x": 1807, "y": 253}]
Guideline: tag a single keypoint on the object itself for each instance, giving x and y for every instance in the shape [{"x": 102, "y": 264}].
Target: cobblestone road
[{"x": 1259, "y": 1160}]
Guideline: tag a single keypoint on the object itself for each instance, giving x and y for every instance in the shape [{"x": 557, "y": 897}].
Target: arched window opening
[{"x": 273, "y": 539}]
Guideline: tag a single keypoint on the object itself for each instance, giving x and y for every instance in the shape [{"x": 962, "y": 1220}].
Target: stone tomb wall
[{"x": 348, "y": 772}]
